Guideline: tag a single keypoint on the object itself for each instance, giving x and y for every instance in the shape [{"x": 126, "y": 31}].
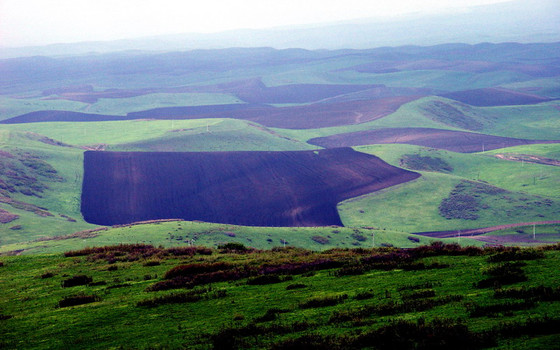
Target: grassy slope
[
  {"x": 12, "y": 107},
  {"x": 225, "y": 135},
  {"x": 413, "y": 207},
  {"x": 531, "y": 121},
  {"x": 62, "y": 197},
  {"x": 116, "y": 320},
  {"x": 547, "y": 150},
  {"x": 181, "y": 233}
]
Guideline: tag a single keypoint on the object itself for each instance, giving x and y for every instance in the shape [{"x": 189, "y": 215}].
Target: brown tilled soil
[
  {"x": 250, "y": 91},
  {"x": 317, "y": 115},
  {"x": 456, "y": 141},
  {"x": 245, "y": 188},
  {"x": 489, "y": 97}
]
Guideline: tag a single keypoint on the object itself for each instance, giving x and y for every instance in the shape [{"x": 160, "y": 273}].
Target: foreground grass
[{"x": 334, "y": 298}]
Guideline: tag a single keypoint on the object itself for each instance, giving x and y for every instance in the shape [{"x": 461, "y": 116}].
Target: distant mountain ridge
[{"x": 513, "y": 21}]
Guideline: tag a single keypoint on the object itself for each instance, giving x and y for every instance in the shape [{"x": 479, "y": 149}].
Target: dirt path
[
  {"x": 483, "y": 230},
  {"x": 528, "y": 158}
]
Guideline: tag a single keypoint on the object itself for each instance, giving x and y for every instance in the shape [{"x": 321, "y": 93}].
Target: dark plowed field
[
  {"x": 494, "y": 97},
  {"x": 317, "y": 115},
  {"x": 59, "y": 116},
  {"x": 456, "y": 141},
  {"x": 245, "y": 188},
  {"x": 250, "y": 91}
]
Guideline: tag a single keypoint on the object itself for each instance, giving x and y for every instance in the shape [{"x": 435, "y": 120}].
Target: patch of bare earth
[
  {"x": 456, "y": 141},
  {"x": 245, "y": 188}
]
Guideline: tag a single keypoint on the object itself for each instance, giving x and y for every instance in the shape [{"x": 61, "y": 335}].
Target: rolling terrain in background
[{"x": 454, "y": 113}]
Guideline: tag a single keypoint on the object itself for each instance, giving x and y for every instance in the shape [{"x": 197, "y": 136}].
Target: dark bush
[
  {"x": 413, "y": 239},
  {"x": 233, "y": 247},
  {"x": 538, "y": 293},
  {"x": 5, "y": 317},
  {"x": 80, "y": 299},
  {"x": 268, "y": 279},
  {"x": 516, "y": 254},
  {"x": 420, "y": 294},
  {"x": 193, "y": 269},
  {"x": 174, "y": 298},
  {"x": 506, "y": 273},
  {"x": 1, "y": 263},
  {"x": 188, "y": 251},
  {"x": 359, "y": 237},
  {"x": 363, "y": 295},
  {"x": 439, "y": 334},
  {"x": 311, "y": 342},
  {"x": 78, "y": 280},
  {"x": 320, "y": 239},
  {"x": 323, "y": 301},
  {"x": 496, "y": 310},
  {"x": 152, "y": 263},
  {"x": 270, "y": 315},
  {"x": 47, "y": 275}
]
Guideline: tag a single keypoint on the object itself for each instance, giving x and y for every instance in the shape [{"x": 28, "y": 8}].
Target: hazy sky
[{"x": 39, "y": 22}]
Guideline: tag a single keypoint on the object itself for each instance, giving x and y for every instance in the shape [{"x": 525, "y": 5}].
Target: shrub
[
  {"x": 188, "y": 251},
  {"x": 47, "y": 275},
  {"x": 5, "y": 317},
  {"x": 495, "y": 310},
  {"x": 420, "y": 294},
  {"x": 78, "y": 280},
  {"x": 80, "y": 299},
  {"x": 174, "y": 298},
  {"x": 320, "y": 239},
  {"x": 516, "y": 254},
  {"x": 538, "y": 293},
  {"x": 363, "y": 295},
  {"x": 358, "y": 237},
  {"x": 323, "y": 301},
  {"x": 414, "y": 239},
  {"x": 506, "y": 273},
  {"x": 193, "y": 269},
  {"x": 152, "y": 263},
  {"x": 233, "y": 247},
  {"x": 270, "y": 315},
  {"x": 268, "y": 279}
]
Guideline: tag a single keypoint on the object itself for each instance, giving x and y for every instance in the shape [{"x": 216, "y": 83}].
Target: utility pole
[{"x": 534, "y": 231}]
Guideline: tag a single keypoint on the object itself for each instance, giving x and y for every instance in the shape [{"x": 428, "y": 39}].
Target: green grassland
[
  {"x": 437, "y": 296},
  {"x": 181, "y": 233},
  {"x": 435, "y": 79},
  {"x": 543, "y": 233},
  {"x": 546, "y": 87},
  {"x": 530, "y": 121},
  {"x": 224, "y": 135},
  {"x": 59, "y": 197},
  {"x": 12, "y": 107},
  {"x": 551, "y": 151},
  {"x": 525, "y": 193},
  {"x": 166, "y": 135}
]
